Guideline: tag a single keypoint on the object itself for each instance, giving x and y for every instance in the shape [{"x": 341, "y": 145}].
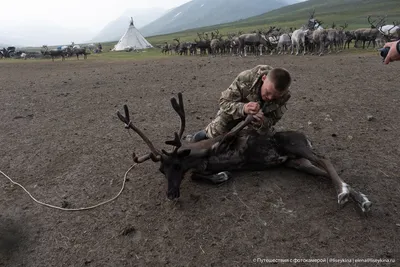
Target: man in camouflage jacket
[{"x": 262, "y": 91}]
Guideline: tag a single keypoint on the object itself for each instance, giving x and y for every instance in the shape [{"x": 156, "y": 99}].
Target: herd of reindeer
[{"x": 310, "y": 38}]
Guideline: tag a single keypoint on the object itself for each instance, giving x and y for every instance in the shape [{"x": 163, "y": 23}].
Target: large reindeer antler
[
  {"x": 372, "y": 23},
  {"x": 271, "y": 28},
  {"x": 176, "y": 143},
  {"x": 179, "y": 108},
  {"x": 382, "y": 21},
  {"x": 154, "y": 154},
  {"x": 344, "y": 26},
  {"x": 312, "y": 13},
  {"x": 377, "y": 25}
]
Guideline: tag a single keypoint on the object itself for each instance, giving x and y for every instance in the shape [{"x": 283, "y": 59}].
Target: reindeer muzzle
[{"x": 173, "y": 194}]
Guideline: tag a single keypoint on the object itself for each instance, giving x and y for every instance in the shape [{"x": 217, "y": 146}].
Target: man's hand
[
  {"x": 251, "y": 108},
  {"x": 393, "y": 54},
  {"x": 259, "y": 117}
]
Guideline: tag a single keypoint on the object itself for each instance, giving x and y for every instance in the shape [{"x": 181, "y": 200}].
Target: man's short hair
[{"x": 280, "y": 78}]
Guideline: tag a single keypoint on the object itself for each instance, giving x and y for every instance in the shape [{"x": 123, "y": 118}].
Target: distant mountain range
[
  {"x": 200, "y": 13},
  {"x": 114, "y": 30}
]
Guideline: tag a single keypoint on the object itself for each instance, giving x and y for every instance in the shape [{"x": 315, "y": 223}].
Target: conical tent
[{"x": 132, "y": 39}]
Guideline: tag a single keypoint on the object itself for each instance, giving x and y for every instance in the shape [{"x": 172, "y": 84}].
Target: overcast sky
[{"x": 90, "y": 14}]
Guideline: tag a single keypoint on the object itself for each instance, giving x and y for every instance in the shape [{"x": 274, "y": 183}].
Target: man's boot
[{"x": 200, "y": 135}]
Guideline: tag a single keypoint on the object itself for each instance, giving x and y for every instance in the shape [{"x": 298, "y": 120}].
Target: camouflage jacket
[{"x": 246, "y": 88}]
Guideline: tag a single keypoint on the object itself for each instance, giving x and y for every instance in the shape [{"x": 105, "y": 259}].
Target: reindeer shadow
[{"x": 12, "y": 237}]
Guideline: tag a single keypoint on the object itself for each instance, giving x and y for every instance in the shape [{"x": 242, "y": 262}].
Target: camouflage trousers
[{"x": 224, "y": 122}]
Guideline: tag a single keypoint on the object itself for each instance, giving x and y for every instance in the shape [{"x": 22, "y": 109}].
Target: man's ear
[{"x": 264, "y": 77}]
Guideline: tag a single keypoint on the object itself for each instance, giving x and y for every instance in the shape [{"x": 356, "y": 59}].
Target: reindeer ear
[{"x": 184, "y": 153}]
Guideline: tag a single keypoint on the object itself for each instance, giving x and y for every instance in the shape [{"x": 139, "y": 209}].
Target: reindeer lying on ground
[{"x": 238, "y": 150}]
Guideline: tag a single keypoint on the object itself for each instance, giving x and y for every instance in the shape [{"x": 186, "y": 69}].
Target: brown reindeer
[
  {"x": 238, "y": 150},
  {"x": 368, "y": 34}
]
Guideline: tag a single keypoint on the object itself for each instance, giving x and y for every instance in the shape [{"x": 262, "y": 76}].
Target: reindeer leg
[
  {"x": 306, "y": 166},
  {"x": 294, "y": 143},
  {"x": 342, "y": 188},
  {"x": 361, "y": 199}
]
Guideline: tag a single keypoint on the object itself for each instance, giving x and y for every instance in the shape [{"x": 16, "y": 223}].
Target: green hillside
[{"x": 354, "y": 12}]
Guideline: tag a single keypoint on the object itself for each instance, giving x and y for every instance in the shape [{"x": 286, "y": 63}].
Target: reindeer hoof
[
  {"x": 366, "y": 204},
  {"x": 343, "y": 197},
  {"x": 221, "y": 177}
]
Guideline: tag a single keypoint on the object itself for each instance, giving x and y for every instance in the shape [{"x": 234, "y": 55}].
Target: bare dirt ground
[{"x": 61, "y": 138}]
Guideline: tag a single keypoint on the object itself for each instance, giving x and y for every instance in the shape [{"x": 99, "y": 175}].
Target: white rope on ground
[{"x": 76, "y": 209}]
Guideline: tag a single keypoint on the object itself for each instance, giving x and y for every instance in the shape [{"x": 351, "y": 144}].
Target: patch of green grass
[
  {"x": 122, "y": 55},
  {"x": 152, "y": 53}
]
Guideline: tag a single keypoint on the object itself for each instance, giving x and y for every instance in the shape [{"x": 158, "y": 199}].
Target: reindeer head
[
  {"x": 173, "y": 164},
  {"x": 313, "y": 23}
]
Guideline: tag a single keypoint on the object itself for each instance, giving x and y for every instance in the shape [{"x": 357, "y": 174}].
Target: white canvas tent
[{"x": 132, "y": 39}]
